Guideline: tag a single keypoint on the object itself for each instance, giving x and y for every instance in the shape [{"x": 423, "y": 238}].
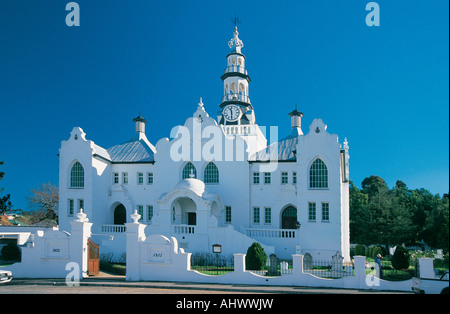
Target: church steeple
[{"x": 236, "y": 106}]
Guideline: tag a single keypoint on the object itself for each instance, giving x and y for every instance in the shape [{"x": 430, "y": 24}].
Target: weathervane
[
  {"x": 235, "y": 20},
  {"x": 235, "y": 43}
]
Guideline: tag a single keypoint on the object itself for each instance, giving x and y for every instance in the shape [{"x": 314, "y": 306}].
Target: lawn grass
[{"x": 113, "y": 268}]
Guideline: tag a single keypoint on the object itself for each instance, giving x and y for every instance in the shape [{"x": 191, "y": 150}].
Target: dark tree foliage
[
  {"x": 256, "y": 257},
  {"x": 379, "y": 215}
]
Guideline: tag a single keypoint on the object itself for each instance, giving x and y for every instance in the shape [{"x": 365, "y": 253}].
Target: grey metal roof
[
  {"x": 283, "y": 150},
  {"x": 135, "y": 150}
]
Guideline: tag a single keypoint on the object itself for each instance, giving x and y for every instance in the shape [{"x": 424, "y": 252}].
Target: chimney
[
  {"x": 296, "y": 122},
  {"x": 140, "y": 124}
]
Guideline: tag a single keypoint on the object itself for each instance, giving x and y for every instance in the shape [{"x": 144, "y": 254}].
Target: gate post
[
  {"x": 134, "y": 233},
  {"x": 78, "y": 247},
  {"x": 239, "y": 262},
  {"x": 297, "y": 264}
]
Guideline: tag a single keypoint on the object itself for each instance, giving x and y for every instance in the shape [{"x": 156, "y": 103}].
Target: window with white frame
[
  {"x": 149, "y": 212},
  {"x": 188, "y": 170},
  {"x": 267, "y": 215},
  {"x": 255, "y": 177},
  {"x": 140, "y": 178},
  {"x": 149, "y": 177},
  {"x": 267, "y": 177},
  {"x": 77, "y": 176},
  {"x": 116, "y": 178},
  {"x": 318, "y": 175},
  {"x": 70, "y": 208},
  {"x": 312, "y": 211},
  {"x": 284, "y": 178},
  {"x": 294, "y": 177},
  {"x": 211, "y": 173},
  {"x": 227, "y": 214},
  {"x": 125, "y": 177},
  {"x": 256, "y": 215},
  {"x": 325, "y": 211},
  {"x": 81, "y": 205},
  {"x": 140, "y": 210}
]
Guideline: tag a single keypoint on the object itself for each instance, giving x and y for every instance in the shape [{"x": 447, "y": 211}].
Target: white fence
[{"x": 158, "y": 258}]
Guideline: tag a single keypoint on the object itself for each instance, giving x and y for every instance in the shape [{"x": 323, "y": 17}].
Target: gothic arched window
[
  {"x": 77, "y": 176},
  {"x": 211, "y": 174},
  {"x": 318, "y": 175},
  {"x": 189, "y": 169}
]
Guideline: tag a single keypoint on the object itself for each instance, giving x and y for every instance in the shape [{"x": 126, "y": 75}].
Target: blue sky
[{"x": 384, "y": 88}]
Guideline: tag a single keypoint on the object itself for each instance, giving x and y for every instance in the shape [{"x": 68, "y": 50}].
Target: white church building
[{"x": 216, "y": 180}]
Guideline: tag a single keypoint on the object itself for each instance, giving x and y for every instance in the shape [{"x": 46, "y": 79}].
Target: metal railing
[
  {"x": 212, "y": 264},
  {"x": 236, "y": 68},
  {"x": 235, "y": 97},
  {"x": 328, "y": 269}
]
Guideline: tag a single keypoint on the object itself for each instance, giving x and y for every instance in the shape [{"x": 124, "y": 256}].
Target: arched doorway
[
  {"x": 184, "y": 211},
  {"x": 120, "y": 215},
  {"x": 289, "y": 218}
]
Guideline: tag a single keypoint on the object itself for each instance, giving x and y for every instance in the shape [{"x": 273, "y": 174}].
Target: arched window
[
  {"x": 233, "y": 87},
  {"x": 211, "y": 174},
  {"x": 77, "y": 176},
  {"x": 318, "y": 175},
  {"x": 241, "y": 88},
  {"x": 289, "y": 218},
  {"x": 189, "y": 169}
]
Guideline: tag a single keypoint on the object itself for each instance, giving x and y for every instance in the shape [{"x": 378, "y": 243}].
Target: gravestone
[
  {"x": 337, "y": 262},
  {"x": 284, "y": 267},
  {"x": 273, "y": 265},
  {"x": 307, "y": 262}
]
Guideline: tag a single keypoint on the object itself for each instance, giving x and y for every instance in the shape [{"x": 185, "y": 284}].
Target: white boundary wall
[
  {"x": 54, "y": 253},
  {"x": 158, "y": 258}
]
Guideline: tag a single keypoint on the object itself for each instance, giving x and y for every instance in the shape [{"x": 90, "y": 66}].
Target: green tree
[
  {"x": 256, "y": 257},
  {"x": 359, "y": 215},
  {"x": 5, "y": 201},
  {"x": 2, "y": 173},
  {"x": 400, "y": 259}
]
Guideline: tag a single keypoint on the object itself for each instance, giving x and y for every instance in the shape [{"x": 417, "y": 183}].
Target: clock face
[{"x": 231, "y": 113}]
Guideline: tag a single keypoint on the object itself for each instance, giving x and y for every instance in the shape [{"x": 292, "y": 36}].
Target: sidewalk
[{"x": 108, "y": 280}]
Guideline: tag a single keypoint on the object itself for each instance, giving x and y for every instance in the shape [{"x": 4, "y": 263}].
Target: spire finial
[
  {"x": 235, "y": 20},
  {"x": 235, "y": 43}
]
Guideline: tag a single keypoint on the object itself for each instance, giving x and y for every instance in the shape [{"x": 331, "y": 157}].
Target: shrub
[
  {"x": 400, "y": 259},
  {"x": 256, "y": 257},
  {"x": 377, "y": 250}
]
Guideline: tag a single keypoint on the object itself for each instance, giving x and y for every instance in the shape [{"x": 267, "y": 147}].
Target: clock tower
[{"x": 236, "y": 108}]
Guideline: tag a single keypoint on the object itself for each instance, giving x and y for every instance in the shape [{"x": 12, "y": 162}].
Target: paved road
[
  {"x": 44, "y": 289},
  {"x": 102, "y": 286}
]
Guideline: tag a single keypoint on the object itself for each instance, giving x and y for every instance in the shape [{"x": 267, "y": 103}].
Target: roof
[
  {"x": 283, "y": 150},
  {"x": 138, "y": 149}
]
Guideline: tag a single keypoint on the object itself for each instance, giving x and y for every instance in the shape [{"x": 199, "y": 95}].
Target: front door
[
  {"x": 120, "y": 215},
  {"x": 192, "y": 219}
]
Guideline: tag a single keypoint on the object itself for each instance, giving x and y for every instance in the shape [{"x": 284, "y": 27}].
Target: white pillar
[
  {"x": 297, "y": 264},
  {"x": 426, "y": 268},
  {"x": 78, "y": 250},
  {"x": 239, "y": 262},
  {"x": 134, "y": 233},
  {"x": 360, "y": 266}
]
